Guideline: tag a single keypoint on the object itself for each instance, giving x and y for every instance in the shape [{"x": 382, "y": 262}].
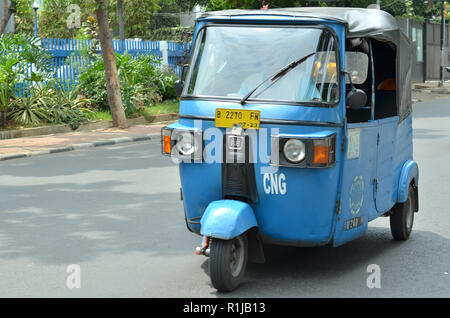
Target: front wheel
[
  {"x": 402, "y": 218},
  {"x": 227, "y": 262}
]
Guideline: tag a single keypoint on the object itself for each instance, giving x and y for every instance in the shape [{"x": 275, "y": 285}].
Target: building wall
[
  {"x": 188, "y": 19},
  {"x": 426, "y": 40},
  {"x": 433, "y": 53}
]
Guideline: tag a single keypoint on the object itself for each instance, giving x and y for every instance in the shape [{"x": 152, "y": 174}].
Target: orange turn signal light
[
  {"x": 321, "y": 155},
  {"x": 167, "y": 146}
]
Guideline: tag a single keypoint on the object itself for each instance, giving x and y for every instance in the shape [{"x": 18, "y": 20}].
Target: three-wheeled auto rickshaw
[{"x": 294, "y": 128}]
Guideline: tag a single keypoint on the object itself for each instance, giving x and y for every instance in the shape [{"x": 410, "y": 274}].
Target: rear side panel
[
  {"x": 386, "y": 167},
  {"x": 376, "y": 153},
  {"x": 358, "y": 182},
  {"x": 394, "y": 149}
]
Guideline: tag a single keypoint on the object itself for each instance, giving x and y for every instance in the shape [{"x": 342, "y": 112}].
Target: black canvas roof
[{"x": 359, "y": 21}]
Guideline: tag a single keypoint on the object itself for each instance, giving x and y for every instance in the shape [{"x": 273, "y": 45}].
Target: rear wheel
[
  {"x": 402, "y": 218},
  {"x": 227, "y": 262}
]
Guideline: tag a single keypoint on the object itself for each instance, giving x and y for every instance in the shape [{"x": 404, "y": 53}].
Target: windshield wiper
[{"x": 278, "y": 75}]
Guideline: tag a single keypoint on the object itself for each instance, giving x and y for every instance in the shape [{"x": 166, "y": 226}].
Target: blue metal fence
[
  {"x": 68, "y": 59},
  {"x": 178, "y": 54}
]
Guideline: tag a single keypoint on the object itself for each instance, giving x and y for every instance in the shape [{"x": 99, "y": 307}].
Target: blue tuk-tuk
[{"x": 294, "y": 128}]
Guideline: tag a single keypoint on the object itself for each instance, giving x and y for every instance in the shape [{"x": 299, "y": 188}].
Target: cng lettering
[{"x": 274, "y": 183}]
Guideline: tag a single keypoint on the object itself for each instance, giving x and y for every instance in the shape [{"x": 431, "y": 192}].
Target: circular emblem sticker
[{"x": 356, "y": 195}]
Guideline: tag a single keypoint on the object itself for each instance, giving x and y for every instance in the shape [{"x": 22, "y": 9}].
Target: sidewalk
[
  {"x": 432, "y": 87},
  {"x": 39, "y": 145},
  {"x": 425, "y": 92}
]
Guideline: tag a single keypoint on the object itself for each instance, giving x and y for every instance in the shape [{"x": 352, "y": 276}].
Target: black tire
[
  {"x": 227, "y": 262},
  {"x": 402, "y": 218}
]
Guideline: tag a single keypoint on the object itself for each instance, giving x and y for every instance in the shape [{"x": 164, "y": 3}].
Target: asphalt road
[{"x": 116, "y": 212}]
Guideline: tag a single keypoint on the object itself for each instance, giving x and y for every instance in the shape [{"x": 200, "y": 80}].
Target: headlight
[
  {"x": 185, "y": 143},
  {"x": 316, "y": 150},
  {"x": 294, "y": 150}
]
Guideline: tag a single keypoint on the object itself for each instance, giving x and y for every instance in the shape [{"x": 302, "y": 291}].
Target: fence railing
[{"x": 68, "y": 60}]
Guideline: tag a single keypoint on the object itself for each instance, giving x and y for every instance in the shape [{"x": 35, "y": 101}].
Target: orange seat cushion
[{"x": 387, "y": 85}]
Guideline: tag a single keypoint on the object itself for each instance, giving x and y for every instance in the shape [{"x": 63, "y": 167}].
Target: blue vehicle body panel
[
  {"x": 202, "y": 108},
  {"x": 357, "y": 197},
  {"x": 394, "y": 149},
  {"x": 302, "y": 215},
  {"x": 371, "y": 182},
  {"x": 227, "y": 219},
  {"x": 387, "y": 130},
  {"x": 410, "y": 172}
]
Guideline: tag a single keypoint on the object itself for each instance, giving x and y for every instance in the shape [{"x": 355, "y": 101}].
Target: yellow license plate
[{"x": 228, "y": 118}]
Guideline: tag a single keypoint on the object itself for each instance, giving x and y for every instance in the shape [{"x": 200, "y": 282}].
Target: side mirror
[
  {"x": 448, "y": 69},
  {"x": 178, "y": 87},
  {"x": 356, "y": 99}
]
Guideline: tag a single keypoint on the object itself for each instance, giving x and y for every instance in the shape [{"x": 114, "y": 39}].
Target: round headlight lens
[
  {"x": 185, "y": 144},
  {"x": 294, "y": 150}
]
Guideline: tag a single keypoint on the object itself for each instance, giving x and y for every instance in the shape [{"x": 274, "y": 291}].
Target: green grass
[
  {"x": 99, "y": 115},
  {"x": 166, "y": 107}
]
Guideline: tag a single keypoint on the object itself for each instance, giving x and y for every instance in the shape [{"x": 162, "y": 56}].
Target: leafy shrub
[
  {"x": 28, "y": 110},
  {"x": 64, "y": 107},
  {"x": 93, "y": 83},
  {"x": 165, "y": 80},
  {"x": 143, "y": 82},
  {"x": 49, "y": 103},
  {"x": 21, "y": 59}
]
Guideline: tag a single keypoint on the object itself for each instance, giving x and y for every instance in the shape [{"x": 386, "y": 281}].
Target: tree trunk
[
  {"x": 121, "y": 27},
  {"x": 3, "y": 118},
  {"x": 7, "y": 13},
  {"x": 109, "y": 60}
]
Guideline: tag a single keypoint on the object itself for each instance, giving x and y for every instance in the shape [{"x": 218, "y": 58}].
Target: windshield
[{"x": 229, "y": 62}]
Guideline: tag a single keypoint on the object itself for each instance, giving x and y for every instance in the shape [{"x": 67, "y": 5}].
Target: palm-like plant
[
  {"x": 28, "y": 110},
  {"x": 64, "y": 106}
]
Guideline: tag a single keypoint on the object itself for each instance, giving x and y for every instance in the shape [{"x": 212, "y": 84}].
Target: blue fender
[
  {"x": 227, "y": 219},
  {"x": 410, "y": 171}
]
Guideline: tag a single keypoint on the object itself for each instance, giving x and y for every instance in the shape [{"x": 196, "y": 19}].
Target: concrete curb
[
  {"x": 66, "y": 148},
  {"x": 431, "y": 88}
]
